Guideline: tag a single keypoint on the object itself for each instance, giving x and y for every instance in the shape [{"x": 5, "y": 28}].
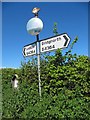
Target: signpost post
[
  {"x": 38, "y": 54},
  {"x": 34, "y": 27}
]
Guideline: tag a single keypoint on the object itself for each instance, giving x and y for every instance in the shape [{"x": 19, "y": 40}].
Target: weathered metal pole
[
  {"x": 38, "y": 52},
  {"x": 38, "y": 59}
]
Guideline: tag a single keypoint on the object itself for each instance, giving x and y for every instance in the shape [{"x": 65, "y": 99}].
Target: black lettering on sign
[
  {"x": 53, "y": 46},
  {"x": 48, "y": 47},
  {"x": 42, "y": 49},
  {"x": 45, "y": 48},
  {"x": 58, "y": 39},
  {"x": 31, "y": 52}
]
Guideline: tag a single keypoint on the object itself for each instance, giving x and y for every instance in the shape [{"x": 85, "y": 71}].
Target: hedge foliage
[{"x": 65, "y": 88}]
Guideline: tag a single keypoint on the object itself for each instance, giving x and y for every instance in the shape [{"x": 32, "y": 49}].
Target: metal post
[{"x": 38, "y": 57}]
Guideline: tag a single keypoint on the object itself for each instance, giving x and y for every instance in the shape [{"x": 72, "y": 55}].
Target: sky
[
  {"x": 45, "y": 0},
  {"x": 0, "y": 34},
  {"x": 71, "y": 18}
]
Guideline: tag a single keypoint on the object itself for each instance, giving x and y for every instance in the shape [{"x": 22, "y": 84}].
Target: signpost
[
  {"x": 49, "y": 44},
  {"x": 53, "y": 43},
  {"x": 34, "y": 27}
]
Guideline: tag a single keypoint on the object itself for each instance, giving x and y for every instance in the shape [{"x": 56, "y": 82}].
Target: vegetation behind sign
[{"x": 65, "y": 88}]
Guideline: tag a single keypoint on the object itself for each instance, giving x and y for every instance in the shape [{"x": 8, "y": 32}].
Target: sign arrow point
[{"x": 66, "y": 38}]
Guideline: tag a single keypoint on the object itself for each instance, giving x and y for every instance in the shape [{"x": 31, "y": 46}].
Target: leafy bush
[{"x": 65, "y": 88}]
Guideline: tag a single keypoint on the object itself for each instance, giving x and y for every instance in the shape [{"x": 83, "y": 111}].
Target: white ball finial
[{"x": 34, "y": 26}]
